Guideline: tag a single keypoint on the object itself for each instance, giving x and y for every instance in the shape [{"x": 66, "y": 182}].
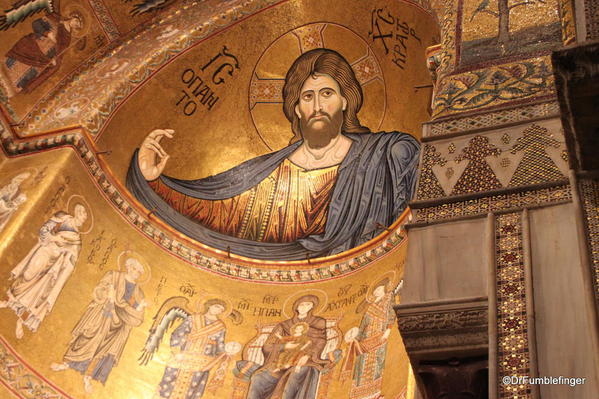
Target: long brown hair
[{"x": 329, "y": 62}]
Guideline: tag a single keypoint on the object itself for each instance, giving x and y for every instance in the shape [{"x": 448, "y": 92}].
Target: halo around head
[
  {"x": 122, "y": 259},
  {"x": 292, "y": 299},
  {"x": 72, "y": 203},
  {"x": 199, "y": 304},
  {"x": 389, "y": 279},
  {"x": 74, "y": 10},
  {"x": 268, "y": 78}
]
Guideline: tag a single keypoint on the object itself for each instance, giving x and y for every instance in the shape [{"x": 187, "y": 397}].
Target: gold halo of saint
[
  {"x": 209, "y": 299},
  {"x": 290, "y": 302},
  {"x": 74, "y": 10},
  {"x": 72, "y": 203},
  {"x": 388, "y": 278},
  {"x": 122, "y": 260},
  {"x": 266, "y": 85}
]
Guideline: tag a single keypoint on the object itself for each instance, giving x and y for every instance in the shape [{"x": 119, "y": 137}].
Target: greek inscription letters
[
  {"x": 199, "y": 92},
  {"x": 393, "y": 33},
  {"x": 244, "y": 304},
  {"x": 188, "y": 289},
  {"x": 270, "y": 299},
  {"x": 349, "y": 300},
  {"x": 228, "y": 67}
]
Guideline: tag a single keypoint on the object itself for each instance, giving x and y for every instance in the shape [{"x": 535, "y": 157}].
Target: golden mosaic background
[{"x": 131, "y": 96}]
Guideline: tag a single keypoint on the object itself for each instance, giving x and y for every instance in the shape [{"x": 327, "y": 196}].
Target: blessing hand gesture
[{"x": 152, "y": 157}]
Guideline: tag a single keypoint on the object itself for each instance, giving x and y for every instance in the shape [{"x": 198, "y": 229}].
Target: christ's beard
[{"x": 329, "y": 126}]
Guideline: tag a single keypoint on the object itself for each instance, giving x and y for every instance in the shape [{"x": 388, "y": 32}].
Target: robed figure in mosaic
[
  {"x": 365, "y": 360},
  {"x": 38, "y": 55},
  {"x": 333, "y": 189},
  {"x": 199, "y": 357},
  {"x": 293, "y": 361},
  {"x": 11, "y": 198},
  {"x": 41, "y": 275},
  {"x": 100, "y": 336}
]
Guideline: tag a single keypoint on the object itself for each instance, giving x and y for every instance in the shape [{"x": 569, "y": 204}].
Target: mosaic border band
[
  {"x": 142, "y": 223},
  {"x": 22, "y": 380},
  {"x": 589, "y": 193},
  {"x": 513, "y": 354},
  {"x": 490, "y": 119},
  {"x": 502, "y": 202}
]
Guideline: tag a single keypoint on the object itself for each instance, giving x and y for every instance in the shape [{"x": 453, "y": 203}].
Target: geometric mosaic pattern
[
  {"x": 491, "y": 119},
  {"x": 591, "y": 13},
  {"x": 517, "y": 157},
  {"x": 478, "y": 175},
  {"x": 589, "y": 192},
  {"x": 568, "y": 21},
  {"x": 536, "y": 166},
  {"x": 501, "y": 202},
  {"x": 513, "y": 355},
  {"x": 429, "y": 186}
]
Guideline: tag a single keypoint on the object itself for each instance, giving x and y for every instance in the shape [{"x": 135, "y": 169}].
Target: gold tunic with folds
[{"x": 289, "y": 204}]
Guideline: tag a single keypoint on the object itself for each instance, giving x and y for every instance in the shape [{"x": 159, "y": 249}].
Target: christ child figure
[{"x": 294, "y": 346}]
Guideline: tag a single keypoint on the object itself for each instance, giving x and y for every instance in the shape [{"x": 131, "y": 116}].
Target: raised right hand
[{"x": 152, "y": 157}]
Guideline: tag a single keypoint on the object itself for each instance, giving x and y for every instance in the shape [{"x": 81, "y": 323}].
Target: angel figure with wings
[
  {"x": 38, "y": 55},
  {"x": 199, "y": 354}
]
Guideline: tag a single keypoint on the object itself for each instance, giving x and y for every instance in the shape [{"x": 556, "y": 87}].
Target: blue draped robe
[{"x": 375, "y": 181}]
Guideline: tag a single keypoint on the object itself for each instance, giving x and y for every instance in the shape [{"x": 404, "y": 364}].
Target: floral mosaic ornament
[{"x": 493, "y": 86}]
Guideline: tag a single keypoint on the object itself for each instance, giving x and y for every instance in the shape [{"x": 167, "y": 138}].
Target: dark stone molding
[{"x": 436, "y": 329}]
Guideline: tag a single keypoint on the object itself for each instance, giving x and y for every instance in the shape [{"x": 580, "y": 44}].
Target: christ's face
[{"x": 320, "y": 109}]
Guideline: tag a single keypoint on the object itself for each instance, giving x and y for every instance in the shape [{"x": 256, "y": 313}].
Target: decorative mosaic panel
[
  {"x": 589, "y": 190},
  {"x": 492, "y": 30},
  {"x": 568, "y": 21},
  {"x": 536, "y": 166},
  {"x": 491, "y": 119},
  {"x": 481, "y": 206},
  {"x": 493, "y": 86},
  {"x": 478, "y": 175},
  {"x": 591, "y": 13},
  {"x": 429, "y": 186},
  {"x": 513, "y": 355},
  {"x": 105, "y": 19},
  {"x": 509, "y": 157},
  {"x": 448, "y": 34}
]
